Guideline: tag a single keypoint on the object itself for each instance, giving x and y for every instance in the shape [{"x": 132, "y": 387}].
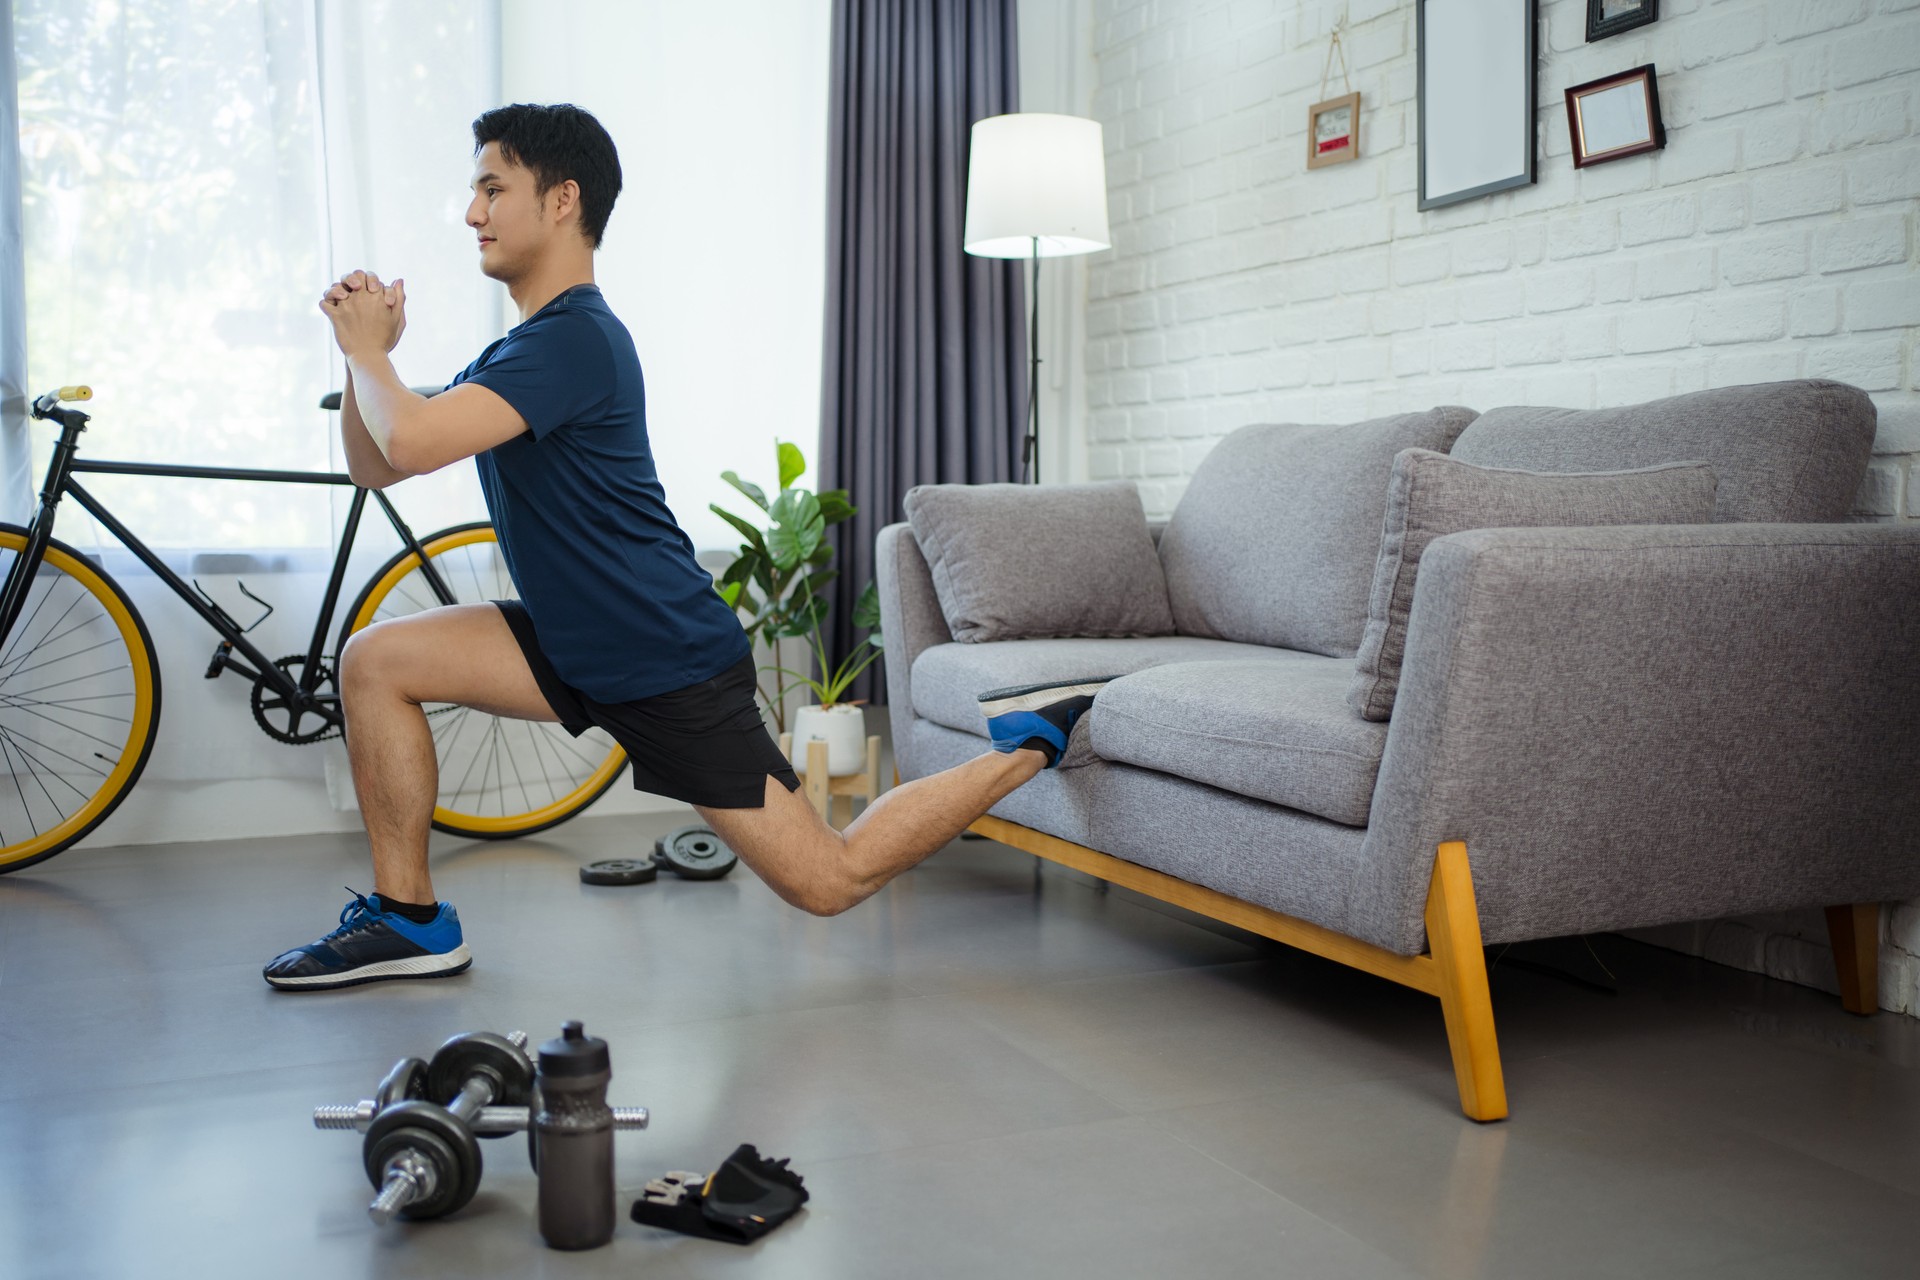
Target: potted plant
[
  {"x": 841, "y": 724},
  {"x": 776, "y": 580}
]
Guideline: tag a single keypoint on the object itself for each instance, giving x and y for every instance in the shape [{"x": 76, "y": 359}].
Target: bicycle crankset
[{"x": 281, "y": 720}]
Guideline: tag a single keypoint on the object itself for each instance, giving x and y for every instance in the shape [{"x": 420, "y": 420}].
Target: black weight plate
[
  {"x": 435, "y": 1134},
  {"x": 408, "y": 1079},
  {"x": 484, "y": 1053},
  {"x": 619, "y": 871},
  {"x": 533, "y": 1129},
  {"x": 694, "y": 853}
]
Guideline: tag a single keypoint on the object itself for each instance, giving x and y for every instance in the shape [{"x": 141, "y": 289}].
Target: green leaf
[
  {"x": 866, "y": 610},
  {"x": 797, "y": 527},
  {"x": 792, "y": 463},
  {"x": 834, "y": 506},
  {"x": 730, "y": 592},
  {"x": 821, "y": 554},
  {"x": 747, "y": 487},
  {"x": 747, "y": 531}
]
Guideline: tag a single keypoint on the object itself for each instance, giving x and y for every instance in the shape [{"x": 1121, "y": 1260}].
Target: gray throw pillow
[
  {"x": 1431, "y": 495},
  {"x": 1273, "y": 541},
  {"x": 1021, "y": 561}
]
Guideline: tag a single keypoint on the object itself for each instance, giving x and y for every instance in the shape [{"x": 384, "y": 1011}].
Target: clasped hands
[{"x": 367, "y": 316}]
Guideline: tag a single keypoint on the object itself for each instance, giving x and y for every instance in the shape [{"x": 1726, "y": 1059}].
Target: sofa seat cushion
[
  {"x": 948, "y": 679},
  {"x": 1272, "y": 731}
]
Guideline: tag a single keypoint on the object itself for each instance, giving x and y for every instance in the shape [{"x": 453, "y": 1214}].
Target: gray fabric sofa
[{"x": 1596, "y": 728}]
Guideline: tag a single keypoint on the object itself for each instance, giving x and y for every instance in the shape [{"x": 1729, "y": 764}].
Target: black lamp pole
[{"x": 1030, "y": 451}]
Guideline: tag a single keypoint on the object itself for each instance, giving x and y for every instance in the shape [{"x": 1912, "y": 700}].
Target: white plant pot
[{"x": 843, "y": 728}]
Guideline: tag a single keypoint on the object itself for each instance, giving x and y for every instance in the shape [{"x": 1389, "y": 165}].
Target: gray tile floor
[{"x": 982, "y": 1071}]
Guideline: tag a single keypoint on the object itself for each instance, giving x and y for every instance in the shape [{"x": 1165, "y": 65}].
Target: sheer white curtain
[
  {"x": 16, "y": 479},
  {"x": 194, "y": 172}
]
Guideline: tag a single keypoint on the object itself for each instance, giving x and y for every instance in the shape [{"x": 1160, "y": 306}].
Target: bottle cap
[{"x": 575, "y": 1053}]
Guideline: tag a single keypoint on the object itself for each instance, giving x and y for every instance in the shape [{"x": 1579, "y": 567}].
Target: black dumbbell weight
[
  {"x": 424, "y": 1162},
  {"x": 694, "y": 853},
  {"x": 480, "y": 1069}
]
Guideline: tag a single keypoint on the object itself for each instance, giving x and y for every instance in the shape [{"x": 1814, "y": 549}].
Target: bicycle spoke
[
  {"x": 27, "y": 626},
  {"x": 26, "y": 810},
  {"x": 113, "y": 639},
  {"x": 15, "y": 733},
  {"x": 526, "y": 801},
  {"x": 78, "y": 626}
]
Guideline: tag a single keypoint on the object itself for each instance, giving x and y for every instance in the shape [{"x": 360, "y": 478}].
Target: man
[{"x": 632, "y": 638}]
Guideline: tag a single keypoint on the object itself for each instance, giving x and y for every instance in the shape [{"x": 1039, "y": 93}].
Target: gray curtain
[
  {"x": 925, "y": 378},
  {"x": 16, "y": 463}
]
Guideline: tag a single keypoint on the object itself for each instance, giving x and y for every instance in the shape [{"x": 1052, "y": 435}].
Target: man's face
[{"x": 510, "y": 218}]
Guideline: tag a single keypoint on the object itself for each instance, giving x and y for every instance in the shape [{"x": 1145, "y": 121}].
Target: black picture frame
[
  {"x": 1524, "y": 106},
  {"x": 1656, "y": 137},
  {"x": 1599, "y": 26}
]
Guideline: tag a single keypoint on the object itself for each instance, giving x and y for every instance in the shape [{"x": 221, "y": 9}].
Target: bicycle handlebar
[{"x": 73, "y": 393}]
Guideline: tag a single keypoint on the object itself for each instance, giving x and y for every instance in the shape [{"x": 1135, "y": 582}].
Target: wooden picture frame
[
  {"x": 1625, "y": 15},
  {"x": 1615, "y": 117},
  {"x": 1333, "y": 131},
  {"x": 1476, "y": 97}
]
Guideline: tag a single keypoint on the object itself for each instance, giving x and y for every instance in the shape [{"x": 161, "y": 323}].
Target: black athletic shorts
[{"x": 705, "y": 744}]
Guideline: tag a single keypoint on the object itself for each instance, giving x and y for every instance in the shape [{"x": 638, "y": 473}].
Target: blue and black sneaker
[
  {"x": 370, "y": 945},
  {"x": 1039, "y": 715}
]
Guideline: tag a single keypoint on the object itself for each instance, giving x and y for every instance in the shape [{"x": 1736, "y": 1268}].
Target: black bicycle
[{"x": 80, "y": 686}]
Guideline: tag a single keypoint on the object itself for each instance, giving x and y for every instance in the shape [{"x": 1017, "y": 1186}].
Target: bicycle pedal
[{"x": 221, "y": 657}]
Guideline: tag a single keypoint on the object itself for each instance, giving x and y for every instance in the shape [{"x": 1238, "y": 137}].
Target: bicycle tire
[
  {"x": 544, "y": 747},
  {"x": 59, "y": 827}
]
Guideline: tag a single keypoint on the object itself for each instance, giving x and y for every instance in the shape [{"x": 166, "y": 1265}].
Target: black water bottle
[{"x": 575, "y": 1128}]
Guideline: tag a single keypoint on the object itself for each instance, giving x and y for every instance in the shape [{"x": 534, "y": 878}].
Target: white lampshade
[{"x": 1036, "y": 175}]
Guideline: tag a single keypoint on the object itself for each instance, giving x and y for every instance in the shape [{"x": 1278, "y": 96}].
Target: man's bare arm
[
  {"x": 365, "y": 463},
  {"x": 411, "y": 434}
]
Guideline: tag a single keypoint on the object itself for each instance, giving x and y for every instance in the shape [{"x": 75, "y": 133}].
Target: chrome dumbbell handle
[
  {"x": 486, "y": 1120},
  {"x": 409, "y": 1178},
  {"x": 356, "y": 1116},
  {"x": 490, "y": 1120}
]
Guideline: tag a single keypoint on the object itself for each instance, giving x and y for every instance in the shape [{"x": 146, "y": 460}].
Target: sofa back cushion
[
  {"x": 1782, "y": 451},
  {"x": 1021, "y": 561},
  {"x": 1275, "y": 538},
  {"x": 1432, "y": 495}
]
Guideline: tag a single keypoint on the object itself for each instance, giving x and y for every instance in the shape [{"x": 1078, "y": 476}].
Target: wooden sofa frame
[{"x": 1455, "y": 968}]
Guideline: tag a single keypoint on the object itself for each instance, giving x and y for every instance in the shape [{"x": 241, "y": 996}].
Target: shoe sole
[
  {"x": 1032, "y": 697},
  {"x": 434, "y": 966}
]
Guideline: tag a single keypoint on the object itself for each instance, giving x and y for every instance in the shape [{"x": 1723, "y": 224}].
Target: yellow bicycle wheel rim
[
  {"x": 133, "y": 753},
  {"x": 473, "y": 823}
]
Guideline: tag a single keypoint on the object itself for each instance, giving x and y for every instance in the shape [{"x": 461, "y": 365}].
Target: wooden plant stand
[{"x": 831, "y": 796}]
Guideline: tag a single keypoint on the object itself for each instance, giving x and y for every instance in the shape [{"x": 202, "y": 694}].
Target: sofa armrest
[
  {"x": 1635, "y": 725},
  {"x": 910, "y": 623}
]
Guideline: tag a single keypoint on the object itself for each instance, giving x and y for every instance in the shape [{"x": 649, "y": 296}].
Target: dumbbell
[
  {"x": 422, "y": 1158},
  {"x": 407, "y": 1079}
]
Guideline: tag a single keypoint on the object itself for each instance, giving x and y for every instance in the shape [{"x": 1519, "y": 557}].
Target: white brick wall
[{"x": 1773, "y": 238}]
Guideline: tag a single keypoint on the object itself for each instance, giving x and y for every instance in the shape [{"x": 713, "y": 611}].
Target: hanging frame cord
[{"x": 1334, "y": 43}]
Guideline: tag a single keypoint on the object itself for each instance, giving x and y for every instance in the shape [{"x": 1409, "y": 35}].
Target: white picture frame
[{"x": 1476, "y": 99}]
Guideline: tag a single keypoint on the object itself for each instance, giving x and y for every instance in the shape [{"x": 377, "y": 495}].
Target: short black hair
[{"x": 557, "y": 142}]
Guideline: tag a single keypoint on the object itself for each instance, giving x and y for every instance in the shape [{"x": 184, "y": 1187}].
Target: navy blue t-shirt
[{"x": 621, "y": 607}]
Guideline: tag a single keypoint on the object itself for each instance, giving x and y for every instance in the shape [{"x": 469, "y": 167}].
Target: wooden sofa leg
[
  {"x": 1854, "y": 932},
  {"x": 1453, "y": 933}
]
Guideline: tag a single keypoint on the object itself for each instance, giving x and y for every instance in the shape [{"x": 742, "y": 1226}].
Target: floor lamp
[{"x": 1036, "y": 188}]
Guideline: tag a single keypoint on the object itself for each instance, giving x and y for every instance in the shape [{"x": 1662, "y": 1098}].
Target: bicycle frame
[{"x": 302, "y": 694}]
